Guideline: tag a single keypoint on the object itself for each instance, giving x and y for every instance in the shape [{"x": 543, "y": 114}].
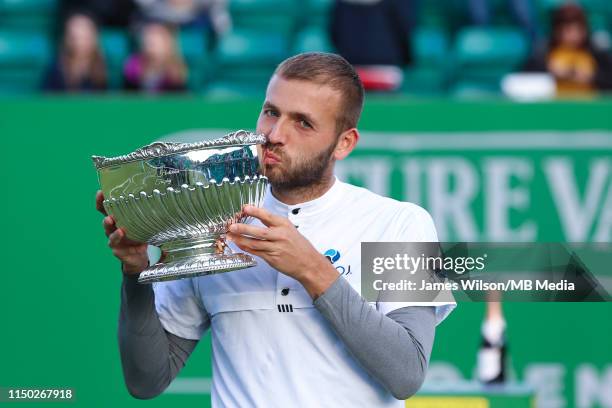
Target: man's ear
[{"x": 346, "y": 143}]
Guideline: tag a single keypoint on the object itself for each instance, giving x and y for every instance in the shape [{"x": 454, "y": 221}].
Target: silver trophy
[{"x": 182, "y": 197}]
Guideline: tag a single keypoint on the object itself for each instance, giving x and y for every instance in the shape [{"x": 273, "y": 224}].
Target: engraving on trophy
[{"x": 162, "y": 171}]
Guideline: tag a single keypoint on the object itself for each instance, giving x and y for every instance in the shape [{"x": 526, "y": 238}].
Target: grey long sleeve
[
  {"x": 394, "y": 349},
  {"x": 150, "y": 356}
]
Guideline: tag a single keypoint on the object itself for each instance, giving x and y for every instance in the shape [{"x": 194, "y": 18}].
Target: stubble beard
[{"x": 299, "y": 173}]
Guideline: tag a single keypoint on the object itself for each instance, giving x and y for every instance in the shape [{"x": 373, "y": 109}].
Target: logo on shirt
[{"x": 334, "y": 256}]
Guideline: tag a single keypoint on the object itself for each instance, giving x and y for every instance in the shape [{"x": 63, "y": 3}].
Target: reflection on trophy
[{"x": 182, "y": 197}]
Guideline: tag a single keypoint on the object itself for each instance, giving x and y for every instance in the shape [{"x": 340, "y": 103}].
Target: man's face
[{"x": 299, "y": 120}]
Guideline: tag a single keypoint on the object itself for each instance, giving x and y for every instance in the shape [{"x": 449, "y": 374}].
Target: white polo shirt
[{"x": 270, "y": 346}]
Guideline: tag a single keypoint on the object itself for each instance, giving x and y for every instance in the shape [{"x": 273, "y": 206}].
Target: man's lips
[{"x": 271, "y": 158}]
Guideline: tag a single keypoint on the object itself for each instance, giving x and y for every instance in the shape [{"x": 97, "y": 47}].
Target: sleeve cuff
[
  {"x": 134, "y": 290},
  {"x": 334, "y": 292}
]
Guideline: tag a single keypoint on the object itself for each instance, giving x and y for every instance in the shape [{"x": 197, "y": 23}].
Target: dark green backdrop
[{"x": 60, "y": 284}]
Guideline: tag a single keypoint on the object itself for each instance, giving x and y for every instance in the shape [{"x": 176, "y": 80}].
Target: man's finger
[
  {"x": 109, "y": 225},
  {"x": 251, "y": 230},
  {"x": 266, "y": 217},
  {"x": 115, "y": 238},
  {"x": 123, "y": 239},
  {"x": 251, "y": 245},
  {"x": 99, "y": 202}
]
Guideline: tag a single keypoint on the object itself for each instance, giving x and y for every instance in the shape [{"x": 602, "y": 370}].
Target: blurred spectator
[
  {"x": 374, "y": 35},
  {"x": 79, "y": 65},
  {"x": 206, "y": 14},
  {"x": 158, "y": 67},
  {"x": 523, "y": 11},
  {"x": 578, "y": 67}
]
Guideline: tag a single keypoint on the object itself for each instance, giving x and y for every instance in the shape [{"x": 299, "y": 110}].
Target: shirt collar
[{"x": 308, "y": 208}]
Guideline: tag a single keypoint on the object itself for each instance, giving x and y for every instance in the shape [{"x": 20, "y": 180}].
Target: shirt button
[
  {"x": 285, "y": 291},
  {"x": 295, "y": 211}
]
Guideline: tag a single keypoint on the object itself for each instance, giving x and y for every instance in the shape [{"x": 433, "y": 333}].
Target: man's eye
[
  {"x": 305, "y": 124},
  {"x": 270, "y": 112}
]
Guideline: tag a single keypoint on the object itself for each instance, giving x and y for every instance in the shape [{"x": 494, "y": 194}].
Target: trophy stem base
[{"x": 194, "y": 257}]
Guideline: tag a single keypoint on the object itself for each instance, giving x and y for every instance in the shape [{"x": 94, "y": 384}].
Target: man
[{"x": 292, "y": 331}]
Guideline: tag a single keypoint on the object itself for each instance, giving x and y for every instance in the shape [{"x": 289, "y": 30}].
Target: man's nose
[{"x": 276, "y": 134}]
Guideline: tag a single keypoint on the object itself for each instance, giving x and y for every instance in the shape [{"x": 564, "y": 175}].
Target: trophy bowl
[{"x": 182, "y": 197}]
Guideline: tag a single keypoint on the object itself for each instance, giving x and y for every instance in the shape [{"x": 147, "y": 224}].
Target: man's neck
[{"x": 303, "y": 194}]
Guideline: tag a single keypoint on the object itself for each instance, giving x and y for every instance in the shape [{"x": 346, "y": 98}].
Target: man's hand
[
  {"x": 132, "y": 254},
  {"x": 282, "y": 246}
]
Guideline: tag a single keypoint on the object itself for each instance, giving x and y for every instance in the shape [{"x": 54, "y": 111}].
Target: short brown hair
[{"x": 333, "y": 70}]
